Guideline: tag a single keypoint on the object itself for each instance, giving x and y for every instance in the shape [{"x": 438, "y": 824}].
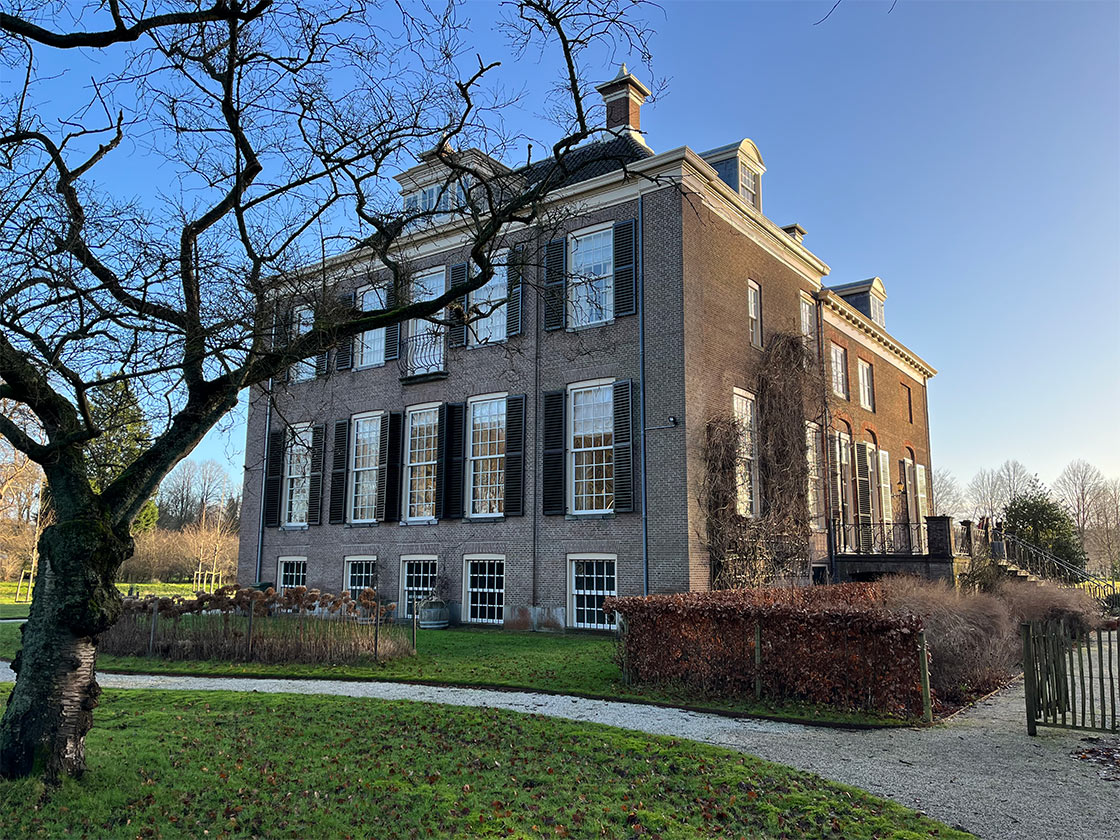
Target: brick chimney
[{"x": 623, "y": 95}]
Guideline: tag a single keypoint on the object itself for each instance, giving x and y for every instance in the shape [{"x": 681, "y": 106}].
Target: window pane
[
  {"x": 491, "y": 327},
  {"x": 365, "y": 460},
  {"x": 487, "y": 457},
  {"x": 419, "y": 583},
  {"x": 591, "y": 279},
  {"x": 592, "y": 582},
  {"x": 486, "y": 591},
  {"x": 592, "y": 450},
  {"x": 747, "y": 468},
  {"x": 292, "y": 573},
  {"x": 297, "y": 472},
  {"x": 361, "y": 574},
  {"x": 423, "y": 427},
  {"x": 371, "y": 344}
]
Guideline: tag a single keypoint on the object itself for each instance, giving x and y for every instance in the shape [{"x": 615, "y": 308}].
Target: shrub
[
  {"x": 831, "y": 645},
  {"x": 1046, "y": 602},
  {"x": 299, "y": 625},
  {"x": 972, "y": 636}
]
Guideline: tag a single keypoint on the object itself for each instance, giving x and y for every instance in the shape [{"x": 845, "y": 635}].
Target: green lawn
[
  {"x": 223, "y": 764},
  {"x": 571, "y": 663},
  {"x": 10, "y": 609}
]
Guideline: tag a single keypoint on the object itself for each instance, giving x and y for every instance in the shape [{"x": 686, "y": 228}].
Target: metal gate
[{"x": 1070, "y": 676}]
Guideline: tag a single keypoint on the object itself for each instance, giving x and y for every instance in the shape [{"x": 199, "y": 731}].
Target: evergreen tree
[{"x": 1037, "y": 518}]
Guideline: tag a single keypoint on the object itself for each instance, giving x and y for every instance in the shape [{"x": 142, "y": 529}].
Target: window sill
[
  {"x": 291, "y": 527},
  {"x": 409, "y": 522},
  {"x": 374, "y": 366},
  {"x": 496, "y": 343},
  {"x": 574, "y": 516},
  {"x": 361, "y": 525},
  {"x": 583, "y": 327},
  {"x": 480, "y": 518}
]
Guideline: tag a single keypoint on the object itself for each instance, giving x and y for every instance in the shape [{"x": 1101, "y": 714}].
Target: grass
[
  {"x": 224, "y": 764},
  {"x": 573, "y": 663}
]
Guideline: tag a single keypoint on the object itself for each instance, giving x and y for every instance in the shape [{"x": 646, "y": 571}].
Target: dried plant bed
[
  {"x": 224, "y": 764},
  {"x": 578, "y": 664}
]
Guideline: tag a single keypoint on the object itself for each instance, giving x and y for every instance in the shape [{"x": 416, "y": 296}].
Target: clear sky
[{"x": 968, "y": 154}]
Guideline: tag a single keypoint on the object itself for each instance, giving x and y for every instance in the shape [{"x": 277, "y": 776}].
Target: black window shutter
[
  {"x": 514, "y": 491},
  {"x": 555, "y": 284},
  {"x": 344, "y": 355},
  {"x": 340, "y": 457},
  {"x": 389, "y": 472},
  {"x": 625, "y": 268},
  {"x": 449, "y": 461},
  {"x": 553, "y": 486},
  {"x": 321, "y": 361},
  {"x": 457, "y": 334},
  {"x": 623, "y": 447},
  {"x": 315, "y": 480},
  {"x": 273, "y": 475},
  {"x": 513, "y": 292},
  {"x": 392, "y": 331}
]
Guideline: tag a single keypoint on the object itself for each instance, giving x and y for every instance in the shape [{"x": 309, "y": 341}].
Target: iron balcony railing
[
  {"x": 906, "y": 538},
  {"x": 1042, "y": 564},
  {"x": 424, "y": 353}
]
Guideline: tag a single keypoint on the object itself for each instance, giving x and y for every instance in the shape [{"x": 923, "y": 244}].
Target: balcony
[
  {"x": 891, "y": 538},
  {"x": 423, "y": 355}
]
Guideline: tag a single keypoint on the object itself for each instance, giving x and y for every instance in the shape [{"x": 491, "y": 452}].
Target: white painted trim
[
  {"x": 289, "y": 558},
  {"x": 468, "y": 466},
  {"x": 351, "y": 473},
  {"x": 412, "y": 558},
  {"x": 571, "y": 596},
  {"x": 347, "y": 559},
  {"x": 465, "y": 609},
  {"x": 569, "y": 452},
  {"x": 853, "y": 323}
]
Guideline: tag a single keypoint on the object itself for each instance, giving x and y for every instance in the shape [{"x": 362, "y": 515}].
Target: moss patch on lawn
[{"x": 225, "y": 764}]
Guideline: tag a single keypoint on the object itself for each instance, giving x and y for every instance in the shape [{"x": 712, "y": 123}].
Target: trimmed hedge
[{"x": 833, "y": 645}]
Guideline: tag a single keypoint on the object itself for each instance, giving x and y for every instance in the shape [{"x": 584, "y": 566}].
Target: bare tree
[
  {"x": 272, "y": 127},
  {"x": 1103, "y": 538},
  {"x": 986, "y": 494},
  {"x": 1077, "y": 487},
  {"x": 1014, "y": 479},
  {"x": 948, "y": 498}
]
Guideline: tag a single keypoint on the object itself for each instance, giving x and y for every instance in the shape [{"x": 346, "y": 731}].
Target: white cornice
[{"x": 849, "y": 319}]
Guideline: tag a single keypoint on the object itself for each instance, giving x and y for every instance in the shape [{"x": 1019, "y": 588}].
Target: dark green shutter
[
  {"x": 513, "y": 292},
  {"x": 273, "y": 475},
  {"x": 553, "y": 485},
  {"x": 389, "y": 472},
  {"x": 623, "y": 447},
  {"x": 344, "y": 355},
  {"x": 625, "y": 268},
  {"x": 514, "y": 490},
  {"x": 449, "y": 461},
  {"x": 315, "y": 480},
  {"x": 392, "y": 331},
  {"x": 457, "y": 334},
  {"x": 555, "y": 284},
  {"x": 340, "y": 457}
]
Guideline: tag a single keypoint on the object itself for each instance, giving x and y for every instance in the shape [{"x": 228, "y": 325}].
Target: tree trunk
[{"x": 50, "y": 710}]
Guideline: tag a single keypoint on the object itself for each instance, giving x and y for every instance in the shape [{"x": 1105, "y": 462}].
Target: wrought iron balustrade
[
  {"x": 880, "y": 537},
  {"x": 424, "y": 353}
]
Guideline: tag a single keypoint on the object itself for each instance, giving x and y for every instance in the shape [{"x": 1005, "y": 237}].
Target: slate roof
[{"x": 592, "y": 160}]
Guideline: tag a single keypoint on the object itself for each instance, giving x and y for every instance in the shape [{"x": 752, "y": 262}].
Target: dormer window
[
  {"x": 878, "y": 311},
  {"x": 748, "y": 185},
  {"x": 437, "y": 199},
  {"x": 740, "y": 166}
]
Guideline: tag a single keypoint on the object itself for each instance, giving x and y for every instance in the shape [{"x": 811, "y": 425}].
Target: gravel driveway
[{"x": 979, "y": 771}]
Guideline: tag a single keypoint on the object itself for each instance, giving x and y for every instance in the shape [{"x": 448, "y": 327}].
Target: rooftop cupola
[{"x": 623, "y": 95}]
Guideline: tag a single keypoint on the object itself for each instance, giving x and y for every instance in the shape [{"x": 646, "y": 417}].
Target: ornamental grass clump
[{"x": 297, "y": 625}]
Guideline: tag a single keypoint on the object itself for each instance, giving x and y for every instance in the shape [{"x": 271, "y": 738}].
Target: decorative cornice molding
[{"x": 850, "y": 316}]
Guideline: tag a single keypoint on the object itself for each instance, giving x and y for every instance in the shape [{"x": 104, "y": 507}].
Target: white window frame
[
  {"x": 423, "y": 591},
  {"x": 363, "y": 356},
  {"x": 754, "y": 312},
  {"x": 353, "y": 470},
  {"x": 493, "y": 594},
  {"x": 495, "y": 322},
  {"x": 572, "y": 451},
  {"x": 303, "y": 321},
  {"x": 814, "y": 455},
  {"x": 409, "y": 465},
  {"x": 574, "y": 594},
  {"x": 349, "y": 562},
  {"x": 474, "y": 460},
  {"x": 283, "y": 561},
  {"x": 748, "y": 184},
  {"x": 746, "y": 470},
  {"x": 866, "y": 384},
  {"x": 575, "y": 316},
  {"x": 416, "y": 327},
  {"x": 299, "y": 432},
  {"x": 840, "y": 384},
  {"x": 878, "y": 310}
]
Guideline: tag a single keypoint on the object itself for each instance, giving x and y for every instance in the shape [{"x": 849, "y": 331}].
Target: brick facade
[{"x": 698, "y": 247}]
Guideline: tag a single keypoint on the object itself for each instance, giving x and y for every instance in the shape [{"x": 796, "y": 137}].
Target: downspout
[
  {"x": 264, "y": 473},
  {"x": 538, "y": 418},
  {"x": 642, "y": 391}
]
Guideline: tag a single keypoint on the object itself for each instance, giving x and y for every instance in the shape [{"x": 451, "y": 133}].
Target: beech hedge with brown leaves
[{"x": 834, "y": 646}]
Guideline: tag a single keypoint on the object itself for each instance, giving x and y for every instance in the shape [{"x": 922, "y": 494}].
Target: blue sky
[{"x": 967, "y": 153}]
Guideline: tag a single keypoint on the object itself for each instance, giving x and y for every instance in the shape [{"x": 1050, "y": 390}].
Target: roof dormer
[
  {"x": 740, "y": 166},
  {"x": 867, "y": 296}
]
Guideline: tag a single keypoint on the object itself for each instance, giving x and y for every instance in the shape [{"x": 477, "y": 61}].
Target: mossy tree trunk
[{"x": 50, "y": 710}]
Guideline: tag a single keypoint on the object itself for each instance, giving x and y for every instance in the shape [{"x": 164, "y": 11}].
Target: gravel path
[{"x": 979, "y": 771}]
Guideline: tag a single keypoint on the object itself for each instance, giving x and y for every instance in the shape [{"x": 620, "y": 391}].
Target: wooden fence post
[
  {"x": 415, "y": 616},
  {"x": 152, "y": 634},
  {"x": 1029, "y": 687},
  {"x": 758, "y": 659},
  {"x": 377, "y": 630},
  {"x": 923, "y": 666}
]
